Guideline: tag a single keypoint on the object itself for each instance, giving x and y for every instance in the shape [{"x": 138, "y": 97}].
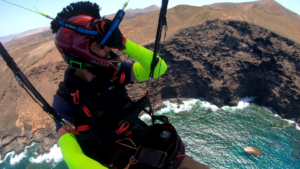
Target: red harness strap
[
  {"x": 181, "y": 155},
  {"x": 115, "y": 75},
  {"x": 148, "y": 93},
  {"x": 76, "y": 101},
  {"x": 122, "y": 78},
  {"x": 128, "y": 134},
  {"x": 72, "y": 131},
  {"x": 123, "y": 127},
  {"x": 87, "y": 111},
  {"x": 83, "y": 128},
  {"x": 75, "y": 97}
]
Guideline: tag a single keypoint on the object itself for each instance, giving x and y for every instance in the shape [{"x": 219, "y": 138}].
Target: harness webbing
[
  {"x": 162, "y": 21},
  {"x": 30, "y": 89}
]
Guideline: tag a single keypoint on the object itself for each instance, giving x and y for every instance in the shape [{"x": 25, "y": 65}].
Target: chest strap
[
  {"x": 76, "y": 100},
  {"x": 122, "y": 77},
  {"x": 98, "y": 136}
]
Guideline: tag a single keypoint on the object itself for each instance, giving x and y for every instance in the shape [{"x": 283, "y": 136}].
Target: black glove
[{"x": 116, "y": 39}]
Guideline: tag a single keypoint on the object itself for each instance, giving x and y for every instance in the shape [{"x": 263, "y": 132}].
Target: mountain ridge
[
  {"x": 25, "y": 33},
  {"x": 266, "y": 5},
  {"x": 142, "y": 29},
  {"x": 132, "y": 13}
]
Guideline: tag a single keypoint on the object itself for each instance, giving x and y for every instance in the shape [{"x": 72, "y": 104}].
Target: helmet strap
[{"x": 75, "y": 65}]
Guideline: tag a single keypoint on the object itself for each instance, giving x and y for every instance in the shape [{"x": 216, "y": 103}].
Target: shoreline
[
  {"x": 156, "y": 108},
  {"x": 180, "y": 101}
]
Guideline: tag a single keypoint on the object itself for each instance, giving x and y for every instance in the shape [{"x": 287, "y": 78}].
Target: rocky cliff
[{"x": 223, "y": 61}]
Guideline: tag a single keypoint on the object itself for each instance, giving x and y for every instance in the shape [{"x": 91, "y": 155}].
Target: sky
[{"x": 14, "y": 19}]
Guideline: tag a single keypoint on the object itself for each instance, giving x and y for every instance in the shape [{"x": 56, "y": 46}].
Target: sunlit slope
[
  {"x": 142, "y": 29},
  {"x": 269, "y": 6}
]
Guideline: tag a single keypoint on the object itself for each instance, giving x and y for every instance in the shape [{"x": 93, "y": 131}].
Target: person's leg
[{"x": 189, "y": 163}]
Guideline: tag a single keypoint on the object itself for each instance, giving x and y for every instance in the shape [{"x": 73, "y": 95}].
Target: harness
[{"x": 109, "y": 130}]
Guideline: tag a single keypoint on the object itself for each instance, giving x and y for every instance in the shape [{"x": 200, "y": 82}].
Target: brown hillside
[
  {"x": 269, "y": 6},
  {"x": 145, "y": 10},
  {"x": 132, "y": 13},
  {"x": 26, "y": 33},
  {"x": 142, "y": 29}
]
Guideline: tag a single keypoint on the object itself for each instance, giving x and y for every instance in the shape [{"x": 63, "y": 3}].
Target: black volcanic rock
[{"x": 223, "y": 61}]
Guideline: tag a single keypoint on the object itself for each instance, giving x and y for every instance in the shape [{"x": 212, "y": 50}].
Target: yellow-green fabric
[
  {"x": 73, "y": 155},
  {"x": 144, "y": 57}
]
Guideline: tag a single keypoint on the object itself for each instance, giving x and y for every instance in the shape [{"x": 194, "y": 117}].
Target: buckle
[{"x": 76, "y": 65}]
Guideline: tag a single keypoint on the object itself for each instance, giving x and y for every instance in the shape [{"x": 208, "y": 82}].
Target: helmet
[{"x": 74, "y": 46}]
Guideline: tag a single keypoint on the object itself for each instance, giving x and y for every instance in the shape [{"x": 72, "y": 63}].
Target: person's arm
[
  {"x": 141, "y": 69},
  {"x": 72, "y": 153}
]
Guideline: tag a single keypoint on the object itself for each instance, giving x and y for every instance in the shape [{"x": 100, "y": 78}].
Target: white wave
[
  {"x": 186, "y": 106},
  {"x": 297, "y": 127},
  {"x": 291, "y": 121},
  {"x": 248, "y": 99},
  {"x": 209, "y": 106},
  {"x": 270, "y": 108},
  {"x": 6, "y": 156},
  {"x": 243, "y": 103},
  {"x": 145, "y": 117},
  {"x": 16, "y": 158},
  {"x": 54, "y": 155}
]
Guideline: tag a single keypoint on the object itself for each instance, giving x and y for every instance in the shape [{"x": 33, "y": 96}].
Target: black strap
[
  {"x": 161, "y": 118},
  {"x": 97, "y": 130},
  {"x": 87, "y": 136},
  {"x": 75, "y": 27},
  {"x": 141, "y": 104}
]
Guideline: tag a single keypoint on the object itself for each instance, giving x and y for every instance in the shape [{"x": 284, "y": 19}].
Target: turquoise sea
[{"x": 215, "y": 137}]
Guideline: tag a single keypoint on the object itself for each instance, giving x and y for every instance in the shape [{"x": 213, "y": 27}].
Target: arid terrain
[
  {"x": 19, "y": 35},
  {"x": 132, "y": 13},
  {"x": 227, "y": 53},
  {"x": 268, "y": 6}
]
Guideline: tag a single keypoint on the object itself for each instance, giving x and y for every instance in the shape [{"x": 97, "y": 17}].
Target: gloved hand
[{"x": 116, "y": 40}]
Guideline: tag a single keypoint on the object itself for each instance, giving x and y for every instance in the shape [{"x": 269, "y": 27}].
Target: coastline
[
  {"x": 54, "y": 154},
  {"x": 251, "y": 99}
]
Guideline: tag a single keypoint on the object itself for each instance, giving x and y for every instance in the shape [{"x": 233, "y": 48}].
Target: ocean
[{"x": 215, "y": 137}]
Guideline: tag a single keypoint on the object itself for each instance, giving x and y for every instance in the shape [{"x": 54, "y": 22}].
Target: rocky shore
[
  {"x": 223, "y": 61},
  {"x": 220, "y": 61}
]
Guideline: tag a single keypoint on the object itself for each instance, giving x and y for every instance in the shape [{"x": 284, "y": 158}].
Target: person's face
[{"x": 102, "y": 53}]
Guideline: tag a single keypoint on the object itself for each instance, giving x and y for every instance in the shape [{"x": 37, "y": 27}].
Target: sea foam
[
  {"x": 16, "y": 158},
  {"x": 243, "y": 103},
  {"x": 54, "y": 155},
  {"x": 188, "y": 105},
  {"x": 291, "y": 121}
]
